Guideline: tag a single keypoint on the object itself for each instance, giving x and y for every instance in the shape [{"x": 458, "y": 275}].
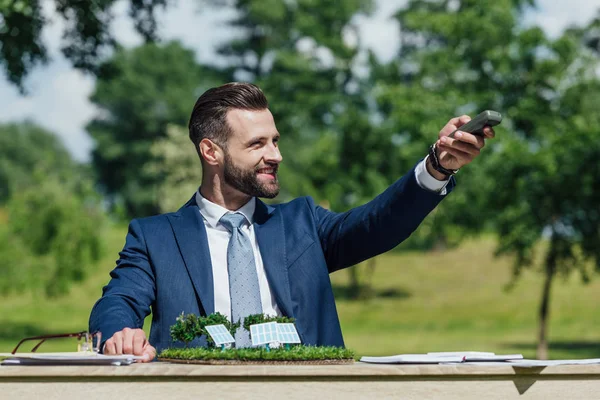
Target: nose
[{"x": 273, "y": 155}]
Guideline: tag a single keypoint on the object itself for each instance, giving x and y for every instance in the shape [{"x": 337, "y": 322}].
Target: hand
[
  {"x": 455, "y": 153},
  {"x": 130, "y": 341}
]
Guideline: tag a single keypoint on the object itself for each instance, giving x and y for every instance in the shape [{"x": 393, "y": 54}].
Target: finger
[
  {"x": 467, "y": 148},
  {"x": 109, "y": 347},
  {"x": 118, "y": 340},
  {"x": 139, "y": 340},
  {"x": 489, "y": 132},
  {"x": 463, "y": 119},
  {"x": 454, "y": 124},
  {"x": 475, "y": 140},
  {"x": 459, "y": 121},
  {"x": 461, "y": 156},
  {"x": 149, "y": 353},
  {"x": 128, "y": 340}
]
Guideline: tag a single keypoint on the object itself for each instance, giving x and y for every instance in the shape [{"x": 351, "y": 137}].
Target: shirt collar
[{"x": 212, "y": 212}]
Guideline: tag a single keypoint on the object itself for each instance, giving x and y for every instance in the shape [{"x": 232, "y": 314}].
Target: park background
[{"x": 95, "y": 97}]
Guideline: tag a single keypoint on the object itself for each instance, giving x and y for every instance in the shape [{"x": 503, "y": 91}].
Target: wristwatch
[{"x": 435, "y": 162}]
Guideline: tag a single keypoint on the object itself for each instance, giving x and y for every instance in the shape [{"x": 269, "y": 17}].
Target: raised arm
[{"x": 378, "y": 226}]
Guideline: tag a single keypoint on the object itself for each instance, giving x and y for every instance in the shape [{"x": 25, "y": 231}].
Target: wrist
[
  {"x": 433, "y": 162},
  {"x": 436, "y": 174}
]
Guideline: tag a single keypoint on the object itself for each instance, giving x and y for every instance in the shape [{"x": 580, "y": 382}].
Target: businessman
[{"x": 227, "y": 251}]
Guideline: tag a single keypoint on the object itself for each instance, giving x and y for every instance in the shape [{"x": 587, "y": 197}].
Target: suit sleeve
[
  {"x": 378, "y": 226},
  {"x": 126, "y": 300}
]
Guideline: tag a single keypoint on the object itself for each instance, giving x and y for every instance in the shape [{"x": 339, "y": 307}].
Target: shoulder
[
  {"x": 152, "y": 223},
  {"x": 298, "y": 209}
]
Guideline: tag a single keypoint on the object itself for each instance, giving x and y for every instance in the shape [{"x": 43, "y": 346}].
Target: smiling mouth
[{"x": 271, "y": 171}]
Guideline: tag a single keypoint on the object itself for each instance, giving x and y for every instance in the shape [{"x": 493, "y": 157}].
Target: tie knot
[{"x": 232, "y": 220}]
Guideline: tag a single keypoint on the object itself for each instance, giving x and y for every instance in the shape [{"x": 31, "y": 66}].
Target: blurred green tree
[
  {"x": 139, "y": 92},
  {"x": 51, "y": 219},
  {"x": 176, "y": 161},
  {"x": 549, "y": 174},
  {"x": 455, "y": 57},
  {"x": 60, "y": 229},
  {"x": 25, "y": 148},
  {"x": 535, "y": 180},
  {"x": 86, "y": 37}
]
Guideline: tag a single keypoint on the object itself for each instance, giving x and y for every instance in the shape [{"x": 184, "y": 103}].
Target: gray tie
[{"x": 243, "y": 280}]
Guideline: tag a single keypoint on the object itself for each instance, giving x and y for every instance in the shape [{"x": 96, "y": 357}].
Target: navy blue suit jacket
[{"x": 165, "y": 264}]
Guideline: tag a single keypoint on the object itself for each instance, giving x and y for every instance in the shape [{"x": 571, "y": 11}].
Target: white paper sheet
[{"x": 81, "y": 358}]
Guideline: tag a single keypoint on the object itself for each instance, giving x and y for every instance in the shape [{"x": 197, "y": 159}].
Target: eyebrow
[{"x": 262, "y": 138}]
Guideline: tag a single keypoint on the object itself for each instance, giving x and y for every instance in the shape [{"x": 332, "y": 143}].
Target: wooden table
[{"x": 165, "y": 381}]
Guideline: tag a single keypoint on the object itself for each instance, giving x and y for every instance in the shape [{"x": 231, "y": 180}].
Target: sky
[{"x": 58, "y": 97}]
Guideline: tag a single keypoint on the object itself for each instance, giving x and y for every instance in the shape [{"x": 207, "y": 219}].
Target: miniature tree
[
  {"x": 186, "y": 329},
  {"x": 190, "y": 326}
]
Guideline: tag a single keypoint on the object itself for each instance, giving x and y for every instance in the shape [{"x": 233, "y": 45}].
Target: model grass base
[{"x": 259, "y": 355}]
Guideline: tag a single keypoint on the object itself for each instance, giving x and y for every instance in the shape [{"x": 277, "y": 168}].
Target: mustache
[{"x": 275, "y": 167}]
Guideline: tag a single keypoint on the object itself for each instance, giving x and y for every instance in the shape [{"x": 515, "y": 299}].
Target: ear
[{"x": 211, "y": 152}]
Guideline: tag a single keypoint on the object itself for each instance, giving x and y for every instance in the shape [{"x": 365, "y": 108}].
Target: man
[{"x": 227, "y": 251}]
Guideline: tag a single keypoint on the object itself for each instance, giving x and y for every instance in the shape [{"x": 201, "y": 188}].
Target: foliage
[
  {"x": 190, "y": 326},
  {"x": 549, "y": 174},
  {"x": 295, "y": 353},
  {"x": 263, "y": 318},
  {"x": 86, "y": 38},
  {"x": 28, "y": 151},
  {"x": 533, "y": 181},
  {"x": 59, "y": 229},
  {"x": 139, "y": 92},
  {"x": 186, "y": 328},
  {"x": 445, "y": 69},
  {"x": 53, "y": 224},
  {"x": 176, "y": 161},
  {"x": 20, "y": 270}
]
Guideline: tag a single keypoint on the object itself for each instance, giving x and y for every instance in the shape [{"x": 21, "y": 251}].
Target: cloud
[
  {"x": 555, "y": 16},
  {"x": 58, "y": 102},
  {"x": 380, "y": 32},
  {"x": 200, "y": 29}
]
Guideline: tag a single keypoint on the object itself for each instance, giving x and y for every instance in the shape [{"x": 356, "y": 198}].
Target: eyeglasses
[{"x": 85, "y": 341}]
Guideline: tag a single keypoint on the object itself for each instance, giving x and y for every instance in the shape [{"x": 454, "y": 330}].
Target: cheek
[
  {"x": 252, "y": 159},
  {"x": 244, "y": 160}
]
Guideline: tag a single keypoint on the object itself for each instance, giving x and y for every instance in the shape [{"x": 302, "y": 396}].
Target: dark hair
[{"x": 209, "y": 117}]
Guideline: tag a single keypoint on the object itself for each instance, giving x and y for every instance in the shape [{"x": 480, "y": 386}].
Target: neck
[{"x": 215, "y": 190}]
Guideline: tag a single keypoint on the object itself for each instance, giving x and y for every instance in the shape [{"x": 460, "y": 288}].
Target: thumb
[{"x": 149, "y": 353}]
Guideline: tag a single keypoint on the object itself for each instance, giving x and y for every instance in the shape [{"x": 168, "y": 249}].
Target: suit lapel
[
  {"x": 268, "y": 228},
  {"x": 193, "y": 244}
]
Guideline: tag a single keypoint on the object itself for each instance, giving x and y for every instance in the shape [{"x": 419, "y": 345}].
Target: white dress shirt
[
  {"x": 218, "y": 240},
  {"x": 426, "y": 181}
]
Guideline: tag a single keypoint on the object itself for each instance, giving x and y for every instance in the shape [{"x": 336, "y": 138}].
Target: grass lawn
[{"x": 442, "y": 301}]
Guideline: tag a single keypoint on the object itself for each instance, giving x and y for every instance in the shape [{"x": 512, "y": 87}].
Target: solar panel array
[
  {"x": 263, "y": 333},
  {"x": 286, "y": 333},
  {"x": 220, "y": 334}
]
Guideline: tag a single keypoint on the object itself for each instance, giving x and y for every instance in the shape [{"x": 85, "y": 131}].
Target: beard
[{"x": 246, "y": 181}]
